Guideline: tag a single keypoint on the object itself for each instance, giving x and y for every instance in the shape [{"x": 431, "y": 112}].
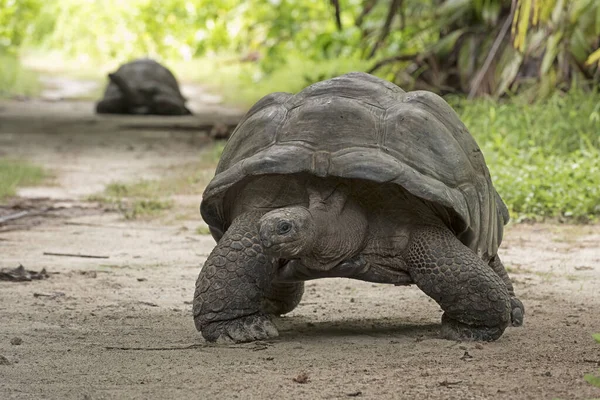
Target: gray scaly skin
[{"x": 142, "y": 87}]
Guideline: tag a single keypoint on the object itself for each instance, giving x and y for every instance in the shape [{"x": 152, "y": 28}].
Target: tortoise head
[
  {"x": 287, "y": 232},
  {"x": 140, "y": 99}
]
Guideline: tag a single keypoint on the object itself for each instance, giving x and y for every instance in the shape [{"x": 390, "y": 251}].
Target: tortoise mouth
[
  {"x": 282, "y": 262},
  {"x": 272, "y": 249},
  {"x": 279, "y": 249}
]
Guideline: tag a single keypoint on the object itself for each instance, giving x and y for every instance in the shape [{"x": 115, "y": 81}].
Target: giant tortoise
[
  {"x": 352, "y": 177},
  {"x": 142, "y": 87}
]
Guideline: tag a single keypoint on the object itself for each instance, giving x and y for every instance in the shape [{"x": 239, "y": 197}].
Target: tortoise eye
[{"x": 284, "y": 227}]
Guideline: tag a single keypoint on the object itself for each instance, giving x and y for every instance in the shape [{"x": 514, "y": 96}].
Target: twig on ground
[
  {"x": 446, "y": 383},
  {"x": 50, "y": 295},
  {"x": 137, "y": 228},
  {"x": 148, "y": 303},
  {"x": 191, "y": 346},
  {"x": 47, "y": 253},
  {"x": 14, "y": 216},
  {"x": 587, "y": 360}
]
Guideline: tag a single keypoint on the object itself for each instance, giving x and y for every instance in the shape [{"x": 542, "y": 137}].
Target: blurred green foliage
[
  {"x": 17, "y": 18},
  {"x": 182, "y": 29},
  {"x": 441, "y": 45},
  {"x": 243, "y": 84}
]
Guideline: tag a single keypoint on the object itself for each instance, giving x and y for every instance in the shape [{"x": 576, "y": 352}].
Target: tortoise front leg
[
  {"x": 474, "y": 298},
  {"x": 234, "y": 294}
]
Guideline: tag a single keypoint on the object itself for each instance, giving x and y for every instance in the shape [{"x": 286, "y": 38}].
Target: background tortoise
[
  {"x": 142, "y": 87},
  {"x": 352, "y": 177}
]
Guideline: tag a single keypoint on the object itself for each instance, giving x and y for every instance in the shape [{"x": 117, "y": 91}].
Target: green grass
[
  {"x": 544, "y": 157},
  {"x": 16, "y": 80},
  {"x": 150, "y": 198},
  {"x": 135, "y": 200},
  {"x": 203, "y": 230},
  {"x": 15, "y": 173}
]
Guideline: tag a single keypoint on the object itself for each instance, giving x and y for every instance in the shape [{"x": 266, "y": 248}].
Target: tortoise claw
[
  {"x": 518, "y": 312},
  {"x": 239, "y": 330}
]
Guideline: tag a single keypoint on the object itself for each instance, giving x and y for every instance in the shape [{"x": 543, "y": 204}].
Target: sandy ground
[{"x": 121, "y": 326}]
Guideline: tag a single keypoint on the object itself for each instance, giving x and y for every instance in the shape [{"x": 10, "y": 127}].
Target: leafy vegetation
[
  {"x": 15, "y": 173},
  {"x": 245, "y": 83},
  {"x": 463, "y": 46},
  {"x": 473, "y": 50},
  {"x": 544, "y": 157},
  {"x": 16, "y": 22}
]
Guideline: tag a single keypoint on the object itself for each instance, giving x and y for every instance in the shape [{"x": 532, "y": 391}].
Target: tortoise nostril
[{"x": 264, "y": 240}]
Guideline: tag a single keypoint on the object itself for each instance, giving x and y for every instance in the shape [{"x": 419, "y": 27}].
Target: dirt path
[{"x": 121, "y": 327}]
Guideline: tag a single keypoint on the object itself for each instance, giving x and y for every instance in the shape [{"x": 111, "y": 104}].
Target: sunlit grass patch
[
  {"x": 15, "y": 80},
  {"x": 149, "y": 198},
  {"x": 203, "y": 230},
  {"x": 135, "y": 200},
  {"x": 16, "y": 173}
]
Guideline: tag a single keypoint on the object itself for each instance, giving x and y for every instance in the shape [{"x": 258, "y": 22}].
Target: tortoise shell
[{"x": 358, "y": 126}]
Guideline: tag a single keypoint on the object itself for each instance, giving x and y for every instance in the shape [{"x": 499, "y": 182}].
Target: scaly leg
[
  {"x": 234, "y": 292},
  {"x": 474, "y": 298}
]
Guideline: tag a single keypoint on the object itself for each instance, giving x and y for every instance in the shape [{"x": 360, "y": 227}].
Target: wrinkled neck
[
  {"x": 309, "y": 240},
  {"x": 340, "y": 234}
]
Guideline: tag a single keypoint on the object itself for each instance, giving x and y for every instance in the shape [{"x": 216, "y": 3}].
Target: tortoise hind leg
[
  {"x": 281, "y": 298},
  {"x": 518, "y": 310},
  {"x": 475, "y": 300}
]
